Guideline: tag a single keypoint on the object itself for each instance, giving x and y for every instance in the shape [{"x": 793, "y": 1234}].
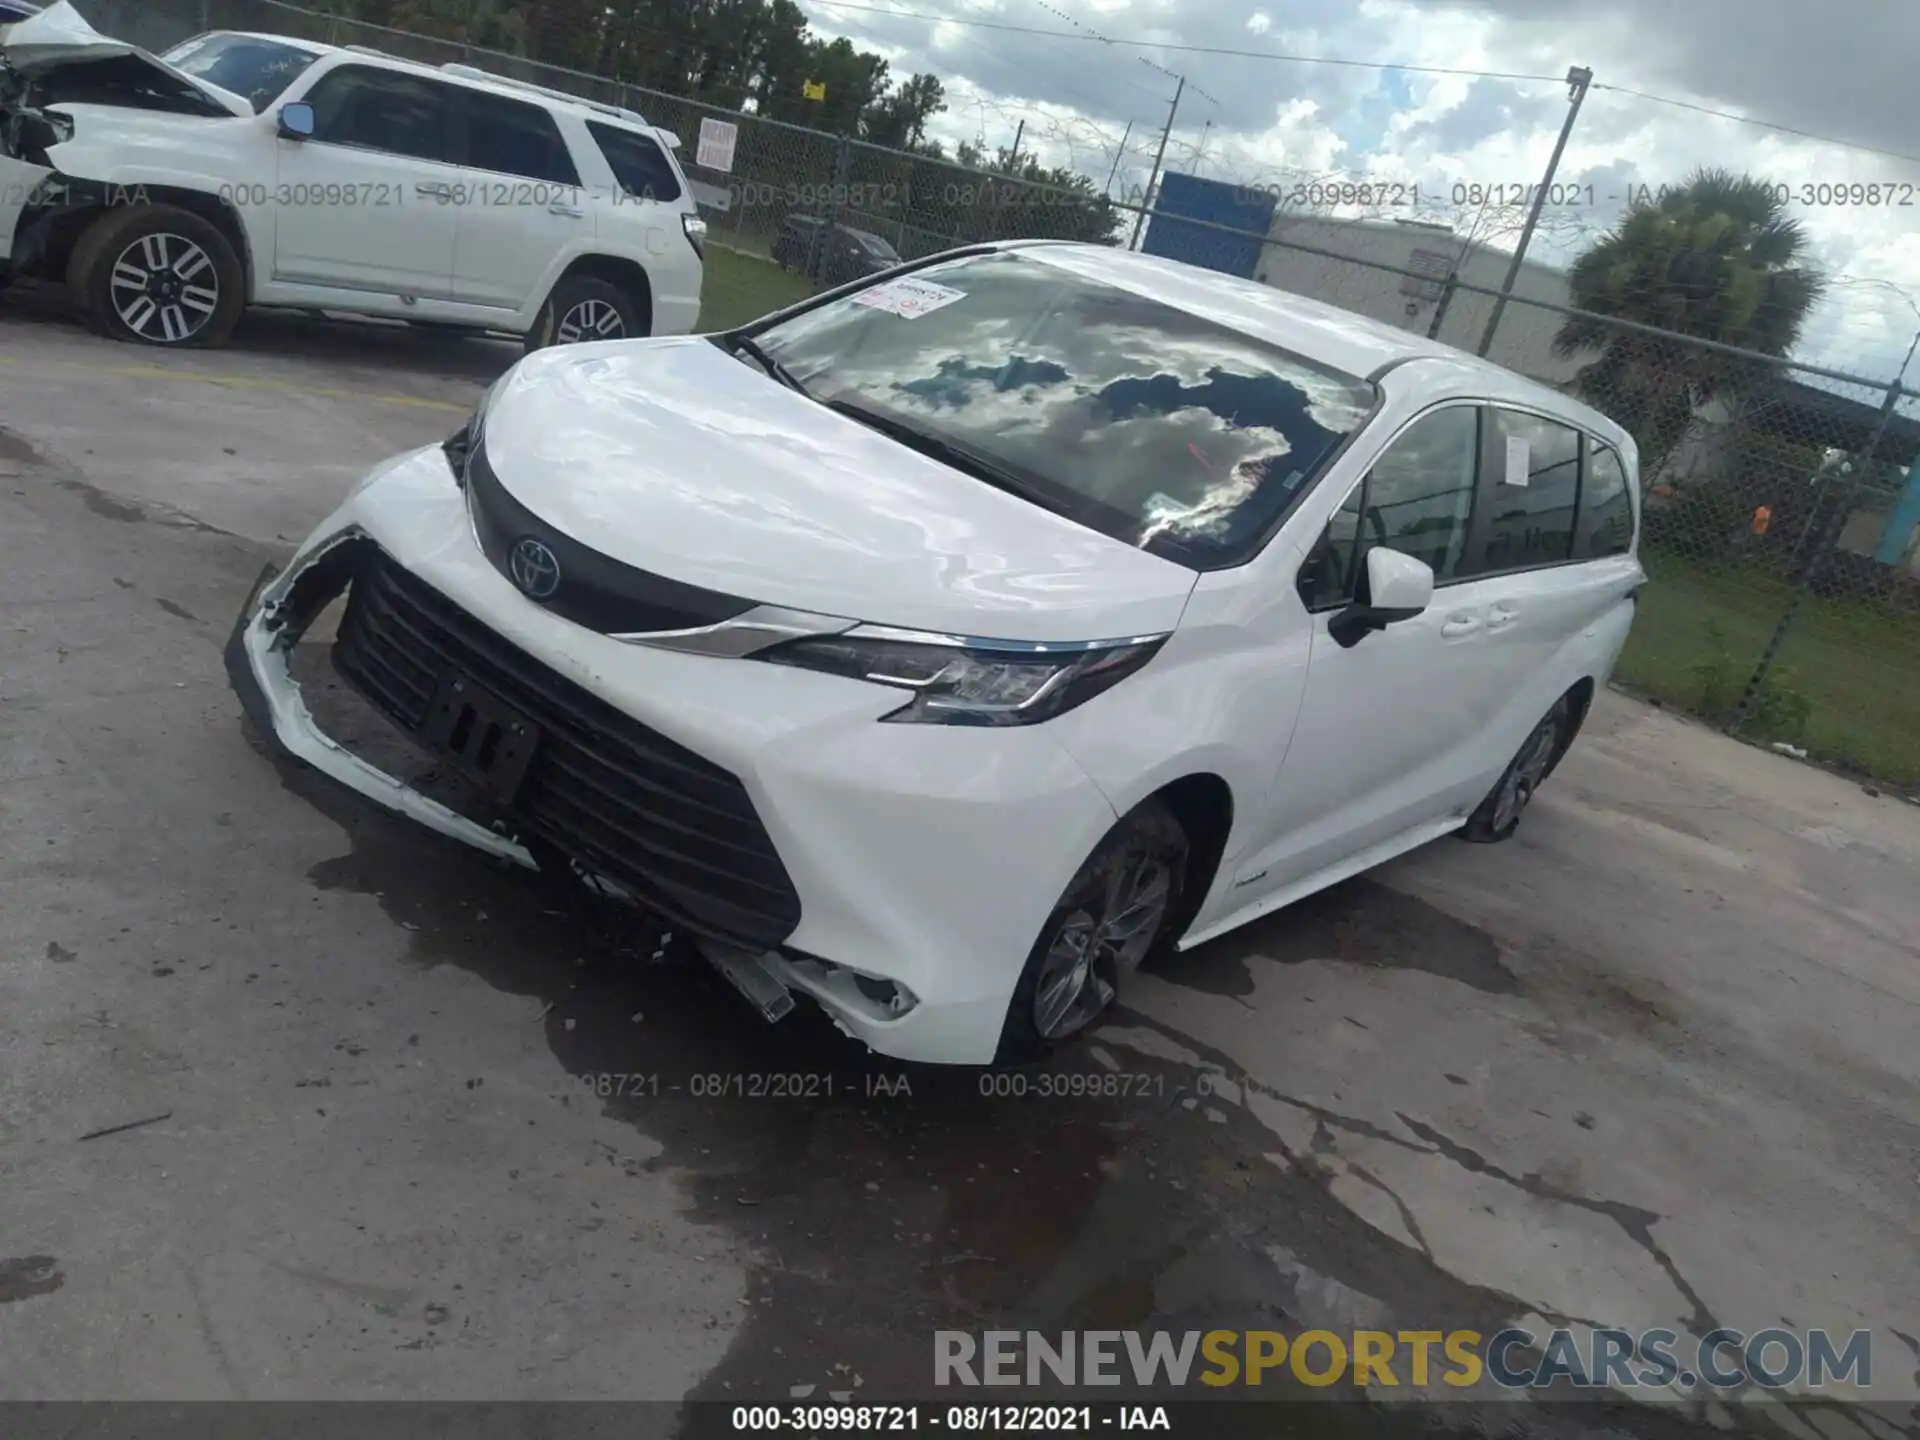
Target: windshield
[
  {"x": 1149, "y": 424},
  {"x": 256, "y": 70}
]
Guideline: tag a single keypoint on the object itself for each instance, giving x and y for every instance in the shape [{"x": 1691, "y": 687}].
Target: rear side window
[
  {"x": 641, "y": 166},
  {"x": 1532, "y": 484},
  {"x": 385, "y": 110},
  {"x": 510, "y": 137},
  {"x": 1605, "y": 526}
]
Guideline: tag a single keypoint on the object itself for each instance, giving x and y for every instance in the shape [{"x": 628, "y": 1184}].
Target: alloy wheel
[
  {"x": 164, "y": 288},
  {"x": 1095, "y": 945},
  {"x": 1529, "y": 768},
  {"x": 590, "y": 320}
]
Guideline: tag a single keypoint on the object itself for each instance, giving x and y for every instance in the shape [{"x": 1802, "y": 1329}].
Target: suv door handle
[
  {"x": 572, "y": 212},
  {"x": 1458, "y": 625},
  {"x": 1501, "y": 616},
  {"x": 433, "y": 188}
]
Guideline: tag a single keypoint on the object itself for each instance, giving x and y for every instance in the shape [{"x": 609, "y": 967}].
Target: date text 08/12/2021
[
  {"x": 808, "y": 1419},
  {"x": 872, "y": 1085}
]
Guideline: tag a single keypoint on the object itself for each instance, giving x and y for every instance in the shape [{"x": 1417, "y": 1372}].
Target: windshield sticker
[{"x": 909, "y": 299}]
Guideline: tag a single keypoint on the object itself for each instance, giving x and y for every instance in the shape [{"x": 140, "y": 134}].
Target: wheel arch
[
  {"x": 628, "y": 276},
  {"x": 1203, "y": 804},
  {"x": 1581, "y": 694}
]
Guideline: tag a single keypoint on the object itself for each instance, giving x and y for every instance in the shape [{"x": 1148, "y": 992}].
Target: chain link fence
[{"x": 1781, "y": 501}]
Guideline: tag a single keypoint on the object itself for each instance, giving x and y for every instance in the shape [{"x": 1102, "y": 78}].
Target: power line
[
  {"x": 1746, "y": 120},
  {"x": 1186, "y": 49}
]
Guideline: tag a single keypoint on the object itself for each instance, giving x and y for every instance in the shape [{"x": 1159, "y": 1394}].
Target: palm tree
[{"x": 1717, "y": 258}]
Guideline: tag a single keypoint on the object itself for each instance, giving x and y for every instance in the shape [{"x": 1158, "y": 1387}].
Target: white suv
[
  {"x": 170, "y": 192},
  {"x": 943, "y": 646}
]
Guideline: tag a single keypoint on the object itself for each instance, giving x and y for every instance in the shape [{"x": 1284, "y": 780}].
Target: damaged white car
[
  {"x": 170, "y": 192},
  {"x": 945, "y": 646}
]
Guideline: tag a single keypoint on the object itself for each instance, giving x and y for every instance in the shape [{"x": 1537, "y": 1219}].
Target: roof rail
[
  {"x": 369, "y": 50},
  {"x": 474, "y": 72}
]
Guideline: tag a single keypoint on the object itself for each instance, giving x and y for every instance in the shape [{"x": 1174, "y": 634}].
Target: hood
[
  {"x": 674, "y": 457},
  {"x": 58, "y": 40}
]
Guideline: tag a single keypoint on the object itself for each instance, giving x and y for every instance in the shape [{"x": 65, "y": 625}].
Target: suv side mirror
[
  {"x": 296, "y": 121},
  {"x": 1393, "y": 587}
]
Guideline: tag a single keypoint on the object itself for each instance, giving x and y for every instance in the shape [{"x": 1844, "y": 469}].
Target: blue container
[{"x": 1243, "y": 209}]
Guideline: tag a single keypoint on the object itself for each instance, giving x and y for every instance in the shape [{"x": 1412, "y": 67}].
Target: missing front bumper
[{"x": 258, "y": 658}]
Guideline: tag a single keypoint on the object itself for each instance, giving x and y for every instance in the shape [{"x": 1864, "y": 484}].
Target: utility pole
[
  {"x": 1159, "y": 155},
  {"x": 1125, "y": 135},
  {"x": 1019, "y": 133},
  {"x": 1578, "y": 79}
]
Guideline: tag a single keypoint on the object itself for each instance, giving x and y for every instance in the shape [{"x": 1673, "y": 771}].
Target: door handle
[
  {"x": 1501, "y": 616},
  {"x": 432, "y": 189},
  {"x": 572, "y": 212},
  {"x": 1458, "y": 625}
]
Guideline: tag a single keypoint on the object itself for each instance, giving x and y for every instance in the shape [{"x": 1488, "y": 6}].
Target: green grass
[
  {"x": 1846, "y": 684},
  {"x": 738, "y": 288}
]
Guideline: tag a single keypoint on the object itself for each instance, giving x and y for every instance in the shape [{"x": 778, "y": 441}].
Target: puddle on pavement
[{"x": 1357, "y": 922}]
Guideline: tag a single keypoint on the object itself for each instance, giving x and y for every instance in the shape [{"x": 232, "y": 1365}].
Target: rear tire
[
  {"x": 584, "y": 308},
  {"x": 158, "y": 275},
  {"x": 1111, "y": 917},
  {"x": 1498, "y": 816}
]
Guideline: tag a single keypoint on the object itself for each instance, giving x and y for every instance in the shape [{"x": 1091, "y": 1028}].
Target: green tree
[
  {"x": 1717, "y": 258},
  {"x": 898, "y": 119}
]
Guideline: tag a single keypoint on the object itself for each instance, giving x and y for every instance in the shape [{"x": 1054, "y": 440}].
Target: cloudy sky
[{"x": 1836, "y": 68}]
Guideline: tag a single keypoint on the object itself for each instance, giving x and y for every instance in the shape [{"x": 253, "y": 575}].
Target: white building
[{"x": 1524, "y": 341}]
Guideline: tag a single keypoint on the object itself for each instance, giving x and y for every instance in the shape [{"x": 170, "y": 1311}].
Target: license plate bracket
[{"x": 484, "y": 737}]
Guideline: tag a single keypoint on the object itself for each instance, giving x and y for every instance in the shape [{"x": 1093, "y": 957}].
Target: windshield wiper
[
  {"x": 746, "y": 345},
  {"x": 949, "y": 452}
]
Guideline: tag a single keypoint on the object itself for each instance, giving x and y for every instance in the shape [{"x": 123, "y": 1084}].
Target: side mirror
[
  {"x": 296, "y": 121},
  {"x": 1393, "y": 587}
]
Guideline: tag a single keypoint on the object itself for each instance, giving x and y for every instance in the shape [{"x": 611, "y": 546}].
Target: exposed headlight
[{"x": 971, "y": 682}]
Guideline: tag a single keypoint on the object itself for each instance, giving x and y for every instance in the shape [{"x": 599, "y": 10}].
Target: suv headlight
[{"x": 971, "y": 682}]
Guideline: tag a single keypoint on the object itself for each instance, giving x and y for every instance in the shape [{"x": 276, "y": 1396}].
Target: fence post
[
  {"x": 1440, "y": 310},
  {"x": 842, "y": 160},
  {"x": 1815, "y": 563}
]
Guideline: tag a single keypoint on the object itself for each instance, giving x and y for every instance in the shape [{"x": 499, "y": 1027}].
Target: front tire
[
  {"x": 1498, "y": 816},
  {"x": 1111, "y": 917},
  {"x": 158, "y": 275},
  {"x": 583, "y": 308}
]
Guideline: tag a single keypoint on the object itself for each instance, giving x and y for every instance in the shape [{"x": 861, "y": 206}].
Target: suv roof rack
[
  {"x": 369, "y": 50},
  {"x": 474, "y": 72}
]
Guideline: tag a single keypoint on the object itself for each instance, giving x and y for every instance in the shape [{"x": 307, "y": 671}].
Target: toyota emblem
[{"x": 534, "y": 568}]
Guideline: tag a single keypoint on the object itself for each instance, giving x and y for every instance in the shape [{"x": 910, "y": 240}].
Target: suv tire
[
  {"x": 158, "y": 275},
  {"x": 583, "y": 308}
]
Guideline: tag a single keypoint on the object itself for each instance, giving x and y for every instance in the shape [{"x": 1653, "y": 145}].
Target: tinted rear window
[
  {"x": 512, "y": 138},
  {"x": 641, "y": 166}
]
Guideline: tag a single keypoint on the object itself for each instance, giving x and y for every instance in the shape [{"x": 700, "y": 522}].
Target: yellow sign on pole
[{"x": 813, "y": 90}]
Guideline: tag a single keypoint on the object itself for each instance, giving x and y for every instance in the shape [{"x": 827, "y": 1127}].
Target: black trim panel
[{"x": 596, "y": 590}]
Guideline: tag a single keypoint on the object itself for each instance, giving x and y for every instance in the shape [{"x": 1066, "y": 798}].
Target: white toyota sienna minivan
[{"x": 943, "y": 647}]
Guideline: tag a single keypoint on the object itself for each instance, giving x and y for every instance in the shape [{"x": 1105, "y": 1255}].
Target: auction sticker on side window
[{"x": 909, "y": 299}]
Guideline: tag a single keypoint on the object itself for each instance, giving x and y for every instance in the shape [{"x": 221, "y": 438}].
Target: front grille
[{"x": 622, "y": 799}]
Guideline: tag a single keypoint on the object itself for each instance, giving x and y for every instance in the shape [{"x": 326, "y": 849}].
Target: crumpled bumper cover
[{"x": 925, "y": 856}]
